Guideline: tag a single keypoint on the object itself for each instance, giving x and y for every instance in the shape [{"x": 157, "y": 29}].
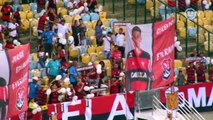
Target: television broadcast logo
[{"x": 191, "y": 14}]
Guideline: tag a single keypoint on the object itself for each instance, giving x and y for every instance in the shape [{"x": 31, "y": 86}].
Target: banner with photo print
[{"x": 150, "y": 55}]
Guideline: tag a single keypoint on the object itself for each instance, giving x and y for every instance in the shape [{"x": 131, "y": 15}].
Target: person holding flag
[{"x": 138, "y": 64}]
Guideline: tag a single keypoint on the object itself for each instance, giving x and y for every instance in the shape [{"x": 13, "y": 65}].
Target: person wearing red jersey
[
  {"x": 79, "y": 91},
  {"x": 81, "y": 3},
  {"x": 91, "y": 5},
  {"x": 116, "y": 71},
  {"x": 114, "y": 85},
  {"x": 138, "y": 64},
  {"x": 17, "y": 16},
  {"x": 194, "y": 4},
  {"x": 9, "y": 43},
  {"x": 201, "y": 70},
  {"x": 211, "y": 73},
  {"x": 42, "y": 96},
  {"x": 41, "y": 25},
  {"x": 53, "y": 98},
  {"x": 1, "y": 35},
  {"x": 116, "y": 55},
  {"x": 52, "y": 4},
  {"x": 171, "y": 4},
  {"x": 190, "y": 70},
  {"x": 6, "y": 10},
  {"x": 41, "y": 5},
  {"x": 182, "y": 5}
]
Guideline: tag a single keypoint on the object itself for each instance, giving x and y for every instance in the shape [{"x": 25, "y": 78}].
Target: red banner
[
  {"x": 114, "y": 105},
  {"x": 150, "y": 56},
  {"x": 163, "y": 53},
  {"x": 200, "y": 95},
  {"x": 18, "y": 83}
]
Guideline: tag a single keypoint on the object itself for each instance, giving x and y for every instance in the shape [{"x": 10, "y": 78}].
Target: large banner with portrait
[
  {"x": 150, "y": 55},
  {"x": 14, "y": 75}
]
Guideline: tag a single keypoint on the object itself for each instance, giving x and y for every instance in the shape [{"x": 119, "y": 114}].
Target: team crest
[
  {"x": 167, "y": 69},
  {"x": 20, "y": 98}
]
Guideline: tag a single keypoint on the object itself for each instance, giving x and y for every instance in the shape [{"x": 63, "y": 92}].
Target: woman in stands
[{"x": 98, "y": 32}]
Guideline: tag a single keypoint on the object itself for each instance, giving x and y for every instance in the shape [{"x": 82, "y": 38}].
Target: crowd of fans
[
  {"x": 64, "y": 81},
  {"x": 197, "y": 69}
]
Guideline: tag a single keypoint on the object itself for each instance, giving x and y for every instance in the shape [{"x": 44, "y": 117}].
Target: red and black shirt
[
  {"x": 42, "y": 97},
  {"x": 6, "y": 10},
  {"x": 41, "y": 22},
  {"x": 191, "y": 73},
  {"x": 138, "y": 70}
]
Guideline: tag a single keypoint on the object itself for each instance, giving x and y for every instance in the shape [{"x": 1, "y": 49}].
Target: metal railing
[
  {"x": 187, "y": 110},
  {"x": 157, "y": 106}
]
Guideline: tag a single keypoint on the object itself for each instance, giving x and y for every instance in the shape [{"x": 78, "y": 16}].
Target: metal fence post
[
  {"x": 186, "y": 40},
  {"x": 113, "y": 6},
  {"x": 124, "y": 9},
  {"x": 145, "y": 15},
  {"x": 165, "y": 11},
  {"x": 136, "y": 11},
  {"x": 208, "y": 43},
  {"x": 154, "y": 10},
  {"x": 103, "y": 3},
  {"x": 197, "y": 43}
]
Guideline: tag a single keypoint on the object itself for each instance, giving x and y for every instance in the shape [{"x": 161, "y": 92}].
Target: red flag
[{"x": 163, "y": 53}]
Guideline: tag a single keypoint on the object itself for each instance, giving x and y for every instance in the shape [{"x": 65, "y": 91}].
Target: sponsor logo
[
  {"x": 20, "y": 97},
  {"x": 167, "y": 69},
  {"x": 191, "y": 13},
  {"x": 138, "y": 75}
]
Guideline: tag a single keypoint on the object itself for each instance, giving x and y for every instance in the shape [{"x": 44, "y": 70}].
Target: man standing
[
  {"x": 120, "y": 41},
  {"x": 138, "y": 64},
  {"x": 6, "y": 10},
  {"x": 108, "y": 42},
  {"x": 62, "y": 28},
  {"x": 54, "y": 66},
  {"x": 73, "y": 74},
  {"x": 34, "y": 87},
  {"x": 47, "y": 40},
  {"x": 82, "y": 32},
  {"x": 190, "y": 70}
]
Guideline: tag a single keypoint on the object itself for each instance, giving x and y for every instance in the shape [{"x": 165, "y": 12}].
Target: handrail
[
  {"x": 200, "y": 117},
  {"x": 157, "y": 105}
]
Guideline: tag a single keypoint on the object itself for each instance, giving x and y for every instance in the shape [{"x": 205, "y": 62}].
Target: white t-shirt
[
  {"x": 13, "y": 33},
  {"x": 107, "y": 44},
  {"x": 120, "y": 40},
  {"x": 62, "y": 29}
]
